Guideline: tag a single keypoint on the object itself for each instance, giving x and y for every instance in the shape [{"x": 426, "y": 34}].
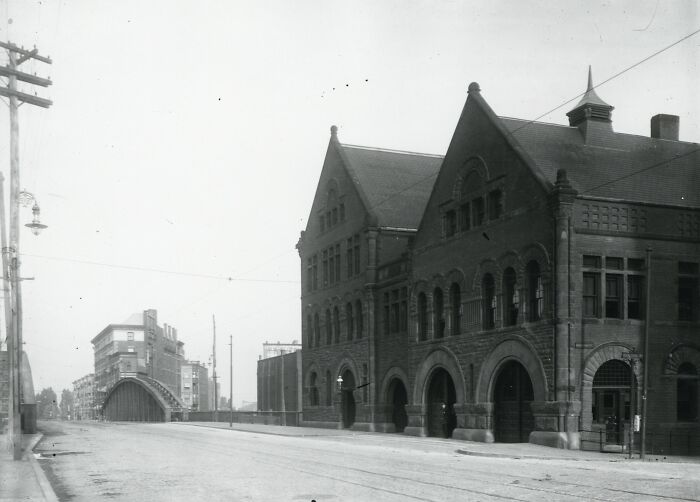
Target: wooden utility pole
[
  {"x": 230, "y": 381},
  {"x": 17, "y": 56},
  {"x": 216, "y": 395}
]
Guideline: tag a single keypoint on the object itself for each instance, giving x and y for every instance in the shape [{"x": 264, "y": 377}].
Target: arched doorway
[
  {"x": 347, "y": 399},
  {"x": 440, "y": 404},
  {"x": 398, "y": 397},
  {"x": 611, "y": 399},
  {"x": 512, "y": 397}
]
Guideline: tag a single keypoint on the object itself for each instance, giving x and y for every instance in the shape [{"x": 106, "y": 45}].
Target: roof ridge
[
  {"x": 535, "y": 121},
  {"x": 389, "y": 150}
]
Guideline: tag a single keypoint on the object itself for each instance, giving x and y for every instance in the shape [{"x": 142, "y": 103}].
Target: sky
[{"x": 178, "y": 163}]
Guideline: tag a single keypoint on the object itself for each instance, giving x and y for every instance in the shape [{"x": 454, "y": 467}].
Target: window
[
  {"x": 687, "y": 393},
  {"x": 358, "y": 318},
  {"x": 336, "y": 324},
  {"x": 688, "y": 279},
  {"x": 309, "y": 275},
  {"x": 331, "y": 266},
  {"x": 356, "y": 253},
  {"x": 464, "y": 217},
  {"x": 329, "y": 328},
  {"x": 349, "y": 320},
  {"x": 422, "y": 317},
  {"x": 403, "y": 310},
  {"x": 130, "y": 336},
  {"x": 591, "y": 261},
  {"x": 314, "y": 266},
  {"x": 348, "y": 258},
  {"x": 317, "y": 330},
  {"x": 613, "y": 263},
  {"x": 342, "y": 211},
  {"x": 438, "y": 315},
  {"x": 131, "y": 348},
  {"x": 456, "y": 308},
  {"x": 337, "y": 262},
  {"x": 478, "y": 210},
  {"x": 322, "y": 223},
  {"x": 591, "y": 293},
  {"x": 329, "y": 389},
  {"x": 325, "y": 267},
  {"x": 613, "y": 296},
  {"x": 510, "y": 297},
  {"x": 495, "y": 204},
  {"x": 395, "y": 311},
  {"x": 309, "y": 331},
  {"x": 535, "y": 291},
  {"x": 488, "y": 302},
  {"x": 387, "y": 317},
  {"x": 313, "y": 389},
  {"x": 635, "y": 284},
  {"x": 450, "y": 223},
  {"x": 334, "y": 216}
]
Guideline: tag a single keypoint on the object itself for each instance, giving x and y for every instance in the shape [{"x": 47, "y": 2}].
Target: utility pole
[
  {"x": 230, "y": 348},
  {"x": 216, "y": 395},
  {"x": 17, "y": 56}
]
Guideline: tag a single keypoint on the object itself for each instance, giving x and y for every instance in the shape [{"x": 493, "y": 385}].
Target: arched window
[
  {"x": 511, "y": 300},
  {"x": 422, "y": 317},
  {"x": 358, "y": 313},
  {"x": 349, "y": 320},
  {"x": 687, "y": 393},
  {"x": 438, "y": 315},
  {"x": 329, "y": 389},
  {"x": 329, "y": 327},
  {"x": 488, "y": 301},
  {"x": 535, "y": 292},
  {"x": 456, "y": 308},
  {"x": 309, "y": 331},
  {"x": 313, "y": 389},
  {"x": 336, "y": 325},
  {"x": 317, "y": 330}
]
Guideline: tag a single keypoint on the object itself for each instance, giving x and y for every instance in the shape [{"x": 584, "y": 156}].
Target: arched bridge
[{"x": 142, "y": 399}]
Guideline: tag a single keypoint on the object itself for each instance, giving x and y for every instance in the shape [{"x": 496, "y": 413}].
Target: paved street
[{"x": 88, "y": 461}]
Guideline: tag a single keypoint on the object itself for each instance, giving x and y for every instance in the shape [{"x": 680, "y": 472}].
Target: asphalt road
[{"x": 91, "y": 461}]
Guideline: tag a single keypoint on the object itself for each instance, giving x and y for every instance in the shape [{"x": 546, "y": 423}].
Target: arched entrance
[
  {"x": 512, "y": 396},
  {"x": 347, "y": 399},
  {"x": 611, "y": 399},
  {"x": 398, "y": 397},
  {"x": 440, "y": 404}
]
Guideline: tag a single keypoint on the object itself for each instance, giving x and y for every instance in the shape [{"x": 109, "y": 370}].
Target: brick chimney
[{"x": 665, "y": 126}]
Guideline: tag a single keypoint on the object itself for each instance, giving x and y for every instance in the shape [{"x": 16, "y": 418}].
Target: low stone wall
[{"x": 247, "y": 417}]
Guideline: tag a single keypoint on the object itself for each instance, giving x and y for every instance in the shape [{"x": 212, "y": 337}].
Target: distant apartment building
[
  {"x": 278, "y": 349},
  {"x": 84, "y": 398},
  {"x": 139, "y": 348},
  {"x": 195, "y": 386}
]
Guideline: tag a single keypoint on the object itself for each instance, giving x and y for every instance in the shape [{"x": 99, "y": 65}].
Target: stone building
[
  {"x": 195, "y": 386},
  {"x": 538, "y": 268},
  {"x": 279, "y": 382}
]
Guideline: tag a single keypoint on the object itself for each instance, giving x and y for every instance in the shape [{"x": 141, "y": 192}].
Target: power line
[{"x": 161, "y": 271}]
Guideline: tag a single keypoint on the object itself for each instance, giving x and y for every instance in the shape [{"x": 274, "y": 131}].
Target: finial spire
[
  {"x": 334, "y": 132},
  {"x": 590, "y": 79},
  {"x": 590, "y": 106}
]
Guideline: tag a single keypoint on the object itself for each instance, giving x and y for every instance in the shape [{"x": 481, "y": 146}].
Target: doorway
[
  {"x": 399, "y": 399},
  {"x": 512, "y": 397},
  {"x": 347, "y": 399},
  {"x": 440, "y": 403},
  {"x": 611, "y": 399}
]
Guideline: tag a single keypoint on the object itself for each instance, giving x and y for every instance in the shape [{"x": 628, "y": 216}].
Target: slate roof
[
  {"x": 615, "y": 167},
  {"x": 395, "y": 184}
]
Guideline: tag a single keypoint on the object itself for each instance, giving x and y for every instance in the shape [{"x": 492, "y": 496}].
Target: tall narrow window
[
  {"x": 688, "y": 279},
  {"x": 395, "y": 310},
  {"x": 334, "y": 217},
  {"x": 511, "y": 301},
  {"x": 342, "y": 211},
  {"x": 336, "y": 324},
  {"x": 438, "y": 314},
  {"x": 387, "y": 315},
  {"x": 329, "y": 389},
  {"x": 309, "y": 331},
  {"x": 478, "y": 211},
  {"x": 349, "y": 321},
  {"x": 331, "y": 265},
  {"x": 358, "y": 319},
  {"x": 313, "y": 389},
  {"x": 488, "y": 301},
  {"x": 535, "y": 291},
  {"x": 613, "y": 296},
  {"x": 309, "y": 275},
  {"x": 455, "y": 308},
  {"x": 450, "y": 223},
  {"x": 495, "y": 204},
  {"x": 325, "y": 267},
  {"x": 317, "y": 330},
  {"x": 348, "y": 258},
  {"x": 591, "y": 294},
  {"x": 322, "y": 223},
  {"x": 403, "y": 310},
  {"x": 687, "y": 393},
  {"x": 356, "y": 253},
  {"x": 337, "y": 262},
  {"x": 635, "y": 286},
  {"x": 329, "y": 328},
  {"x": 314, "y": 266},
  {"x": 422, "y": 317},
  {"x": 465, "y": 217}
]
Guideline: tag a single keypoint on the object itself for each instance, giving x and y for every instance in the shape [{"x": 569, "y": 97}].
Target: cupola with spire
[{"x": 591, "y": 114}]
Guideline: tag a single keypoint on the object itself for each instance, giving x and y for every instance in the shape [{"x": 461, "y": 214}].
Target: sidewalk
[
  {"x": 23, "y": 479},
  {"x": 494, "y": 450}
]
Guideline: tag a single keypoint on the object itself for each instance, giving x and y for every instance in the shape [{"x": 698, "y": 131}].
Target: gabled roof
[
  {"x": 623, "y": 166},
  {"x": 396, "y": 185}
]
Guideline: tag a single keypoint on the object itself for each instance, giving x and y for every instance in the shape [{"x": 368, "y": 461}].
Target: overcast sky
[{"x": 186, "y": 139}]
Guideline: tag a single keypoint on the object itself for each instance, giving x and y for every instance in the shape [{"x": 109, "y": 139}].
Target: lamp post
[{"x": 339, "y": 382}]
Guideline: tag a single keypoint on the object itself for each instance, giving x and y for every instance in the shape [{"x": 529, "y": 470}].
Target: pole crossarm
[
  {"x": 32, "y": 54},
  {"x": 26, "y": 98},
  {"x": 6, "y": 71}
]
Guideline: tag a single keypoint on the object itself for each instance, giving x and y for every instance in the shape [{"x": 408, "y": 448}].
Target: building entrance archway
[
  {"x": 611, "y": 399},
  {"x": 512, "y": 397},
  {"x": 347, "y": 399},
  {"x": 398, "y": 397},
  {"x": 441, "y": 398}
]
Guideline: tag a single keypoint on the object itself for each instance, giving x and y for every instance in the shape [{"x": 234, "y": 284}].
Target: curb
[{"x": 44, "y": 484}]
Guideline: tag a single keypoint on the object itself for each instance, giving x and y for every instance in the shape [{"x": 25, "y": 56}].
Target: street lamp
[
  {"x": 339, "y": 381},
  {"x": 36, "y": 226}
]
